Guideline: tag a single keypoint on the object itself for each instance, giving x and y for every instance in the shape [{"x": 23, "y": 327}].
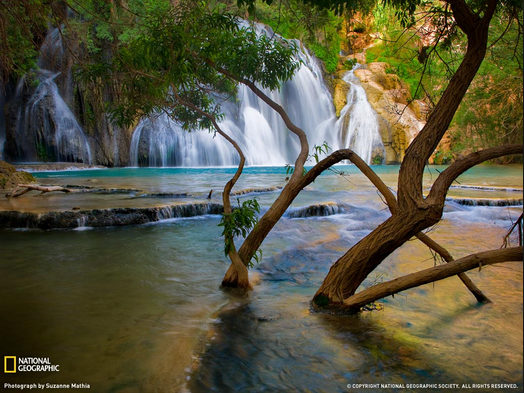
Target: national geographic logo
[{"x": 11, "y": 365}]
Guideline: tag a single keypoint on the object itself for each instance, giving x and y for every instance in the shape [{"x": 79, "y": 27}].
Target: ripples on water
[{"x": 138, "y": 308}]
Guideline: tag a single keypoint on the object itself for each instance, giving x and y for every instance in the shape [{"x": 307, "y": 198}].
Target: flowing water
[
  {"x": 257, "y": 128},
  {"x": 260, "y": 132},
  {"x": 358, "y": 125},
  {"x": 46, "y": 128},
  {"x": 138, "y": 308}
]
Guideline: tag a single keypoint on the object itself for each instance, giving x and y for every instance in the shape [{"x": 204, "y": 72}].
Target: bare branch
[
  {"x": 22, "y": 189},
  {"x": 304, "y": 145},
  {"x": 517, "y": 225},
  {"x": 238, "y": 276},
  {"x": 433, "y": 274},
  {"x": 447, "y": 177}
]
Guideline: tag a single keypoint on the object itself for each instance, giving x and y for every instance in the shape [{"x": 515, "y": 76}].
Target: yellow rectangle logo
[{"x": 9, "y": 364}]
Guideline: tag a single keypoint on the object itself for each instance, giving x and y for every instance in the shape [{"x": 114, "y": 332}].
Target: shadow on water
[
  {"x": 273, "y": 342},
  {"x": 285, "y": 348},
  {"x": 279, "y": 352}
]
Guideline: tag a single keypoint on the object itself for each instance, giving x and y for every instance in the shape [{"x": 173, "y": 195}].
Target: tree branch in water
[{"x": 433, "y": 274}]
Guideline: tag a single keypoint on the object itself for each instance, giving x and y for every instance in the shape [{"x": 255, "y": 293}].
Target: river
[{"x": 138, "y": 308}]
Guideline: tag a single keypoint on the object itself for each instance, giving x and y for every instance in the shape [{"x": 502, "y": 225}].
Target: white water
[
  {"x": 48, "y": 131},
  {"x": 257, "y": 128},
  {"x": 358, "y": 127},
  {"x": 46, "y": 128},
  {"x": 260, "y": 131}
]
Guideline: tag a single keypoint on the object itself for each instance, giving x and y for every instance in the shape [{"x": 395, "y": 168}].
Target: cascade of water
[
  {"x": 358, "y": 127},
  {"x": 163, "y": 142},
  {"x": 257, "y": 128},
  {"x": 51, "y": 51},
  {"x": 46, "y": 128}
]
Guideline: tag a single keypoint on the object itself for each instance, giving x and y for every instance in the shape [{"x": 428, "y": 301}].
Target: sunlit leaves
[{"x": 240, "y": 222}]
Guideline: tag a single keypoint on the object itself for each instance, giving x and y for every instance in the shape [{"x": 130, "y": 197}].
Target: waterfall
[
  {"x": 260, "y": 131},
  {"x": 46, "y": 129},
  {"x": 256, "y": 127},
  {"x": 358, "y": 127},
  {"x": 161, "y": 142}
]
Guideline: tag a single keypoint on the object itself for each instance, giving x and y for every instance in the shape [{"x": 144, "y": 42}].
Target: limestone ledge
[
  {"x": 105, "y": 217},
  {"x": 56, "y": 166}
]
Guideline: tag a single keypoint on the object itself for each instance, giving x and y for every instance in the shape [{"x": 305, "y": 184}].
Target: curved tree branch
[
  {"x": 436, "y": 273},
  {"x": 412, "y": 168},
  {"x": 304, "y": 145},
  {"x": 391, "y": 202},
  {"x": 447, "y": 177},
  {"x": 292, "y": 189},
  {"x": 466, "y": 19}
]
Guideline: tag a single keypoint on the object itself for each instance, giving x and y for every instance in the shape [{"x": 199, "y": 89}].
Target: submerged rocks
[
  {"x": 486, "y": 201},
  {"x": 57, "y": 166},
  {"x": 319, "y": 210},
  {"x": 254, "y": 190}
]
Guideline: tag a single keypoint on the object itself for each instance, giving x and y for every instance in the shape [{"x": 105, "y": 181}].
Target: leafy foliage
[
  {"x": 317, "y": 152},
  {"x": 315, "y": 26},
  {"x": 240, "y": 222},
  {"x": 491, "y": 112},
  {"x": 23, "y": 26},
  {"x": 320, "y": 150},
  {"x": 179, "y": 60}
]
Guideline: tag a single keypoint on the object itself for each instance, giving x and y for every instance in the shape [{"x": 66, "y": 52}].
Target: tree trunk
[
  {"x": 237, "y": 275},
  {"x": 414, "y": 213},
  {"x": 22, "y": 189},
  {"x": 346, "y": 275}
]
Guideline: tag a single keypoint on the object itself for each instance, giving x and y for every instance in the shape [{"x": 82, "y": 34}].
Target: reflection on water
[
  {"x": 116, "y": 308},
  {"x": 127, "y": 309}
]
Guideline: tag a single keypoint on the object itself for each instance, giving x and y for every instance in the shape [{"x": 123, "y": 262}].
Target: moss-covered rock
[{"x": 10, "y": 177}]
